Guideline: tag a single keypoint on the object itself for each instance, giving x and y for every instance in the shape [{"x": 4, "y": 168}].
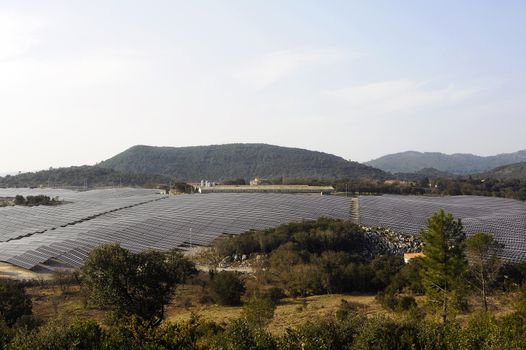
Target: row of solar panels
[
  {"x": 20, "y": 221},
  {"x": 504, "y": 218},
  {"x": 168, "y": 223}
]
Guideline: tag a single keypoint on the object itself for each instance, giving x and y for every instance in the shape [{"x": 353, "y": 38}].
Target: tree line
[{"x": 31, "y": 201}]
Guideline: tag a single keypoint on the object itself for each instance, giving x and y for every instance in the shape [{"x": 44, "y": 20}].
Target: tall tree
[
  {"x": 483, "y": 253},
  {"x": 444, "y": 266},
  {"x": 138, "y": 284}
]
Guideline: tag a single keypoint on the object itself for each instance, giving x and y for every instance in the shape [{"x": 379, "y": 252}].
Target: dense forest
[
  {"x": 81, "y": 176},
  {"x": 232, "y": 161}
]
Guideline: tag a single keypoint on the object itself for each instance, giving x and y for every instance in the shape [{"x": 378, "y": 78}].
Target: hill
[
  {"x": 429, "y": 173},
  {"x": 506, "y": 172},
  {"x": 79, "y": 176},
  {"x": 458, "y": 163},
  {"x": 232, "y": 161}
]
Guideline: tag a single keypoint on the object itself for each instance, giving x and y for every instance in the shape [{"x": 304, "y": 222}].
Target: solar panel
[
  {"x": 504, "y": 218},
  {"x": 142, "y": 219}
]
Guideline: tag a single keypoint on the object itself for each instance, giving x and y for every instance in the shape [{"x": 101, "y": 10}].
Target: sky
[{"x": 81, "y": 81}]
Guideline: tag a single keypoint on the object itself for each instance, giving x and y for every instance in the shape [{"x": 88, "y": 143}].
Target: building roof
[
  {"x": 268, "y": 188},
  {"x": 413, "y": 255}
]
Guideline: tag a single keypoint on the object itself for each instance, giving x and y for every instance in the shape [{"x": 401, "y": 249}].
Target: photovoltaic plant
[
  {"x": 44, "y": 237},
  {"x": 504, "y": 218}
]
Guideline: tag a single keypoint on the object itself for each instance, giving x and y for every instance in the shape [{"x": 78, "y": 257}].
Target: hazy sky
[{"x": 83, "y": 80}]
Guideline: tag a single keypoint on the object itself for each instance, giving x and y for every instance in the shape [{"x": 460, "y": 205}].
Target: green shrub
[
  {"x": 346, "y": 310},
  {"x": 275, "y": 294},
  {"x": 226, "y": 288},
  {"x": 239, "y": 335},
  {"x": 382, "y": 333},
  {"x": 14, "y": 302},
  {"x": 513, "y": 331},
  {"x": 58, "y": 334},
  {"x": 480, "y": 332},
  {"x": 396, "y": 302},
  {"x": 259, "y": 310},
  {"x": 319, "y": 334}
]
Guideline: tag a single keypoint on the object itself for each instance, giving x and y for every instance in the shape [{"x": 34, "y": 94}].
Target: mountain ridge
[{"x": 456, "y": 163}]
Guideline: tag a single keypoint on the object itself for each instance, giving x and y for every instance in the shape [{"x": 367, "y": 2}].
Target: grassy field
[
  {"x": 290, "y": 312},
  {"x": 51, "y": 301}
]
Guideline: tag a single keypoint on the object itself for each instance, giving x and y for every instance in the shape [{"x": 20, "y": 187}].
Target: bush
[
  {"x": 275, "y": 294},
  {"x": 321, "y": 334},
  {"x": 346, "y": 310},
  {"x": 407, "y": 279},
  {"x": 480, "y": 332},
  {"x": 259, "y": 310},
  {"x": 58, "y": 334},
  {"x": 513, "y": 331},
  {"x": 395, "y": 302},
  {"x": 6, "y": 334},
  {"x": 302, "y": 280},
  {"x": 382, "y": 333},
  {"x": 239, "y": 335},
  {"x": 406, "y": 302},
  {"x": 226, "y": 288},
  {"x": 14, "y": 302},
  {"x": 189, "y": 335}
]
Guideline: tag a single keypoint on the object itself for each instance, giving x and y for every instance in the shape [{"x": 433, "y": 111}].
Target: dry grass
[
  {"x": 50, "y": 302},
  {"x": 290, "y": 313}
]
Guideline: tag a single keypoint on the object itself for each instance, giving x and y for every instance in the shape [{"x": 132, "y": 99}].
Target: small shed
[{"x": 409, "y": 256}]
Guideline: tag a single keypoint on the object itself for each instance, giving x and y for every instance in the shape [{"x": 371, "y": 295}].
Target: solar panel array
[
  {"x": 20, "y": 221},
  {"x": 504, "y": 218},
  {"x": 37, "y": 238}
]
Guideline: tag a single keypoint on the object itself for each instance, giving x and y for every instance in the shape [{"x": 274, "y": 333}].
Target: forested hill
[
  {"x": 79, "y": 176},
  {"x": 230, "y": 161},
  {"x": 460, "y": 164},
  {"x": 515, "y": 171}
]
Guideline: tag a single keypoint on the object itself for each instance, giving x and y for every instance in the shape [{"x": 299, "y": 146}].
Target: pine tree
[{"x": 444, "y": 265}]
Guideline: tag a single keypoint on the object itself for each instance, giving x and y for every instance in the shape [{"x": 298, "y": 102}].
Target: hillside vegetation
[
  {"x": 409, "y": 162},
  {"x": 232, "y": 161},
  {"x": 79, "y": 176},
  {"x": 506, "y": 172}
]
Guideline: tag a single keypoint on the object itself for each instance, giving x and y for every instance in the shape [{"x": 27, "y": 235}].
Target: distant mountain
[
  {"x": 79, "y": 176},
  {"x": 231, "y": 161},
  {"x": 460, "y": 164},
  {"x": 516, "y": 171}
]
